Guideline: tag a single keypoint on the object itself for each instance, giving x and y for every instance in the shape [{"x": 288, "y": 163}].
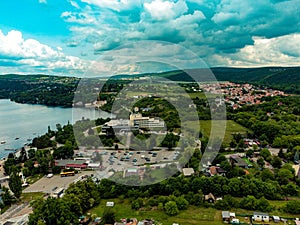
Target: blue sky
[{"x": 69, "y": 37}]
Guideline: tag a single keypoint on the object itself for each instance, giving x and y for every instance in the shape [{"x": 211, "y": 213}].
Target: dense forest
[{"x": 38, "y": 89}]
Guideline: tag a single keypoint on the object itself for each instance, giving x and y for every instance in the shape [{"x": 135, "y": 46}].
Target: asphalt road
[{"x": 49, "y": 185}]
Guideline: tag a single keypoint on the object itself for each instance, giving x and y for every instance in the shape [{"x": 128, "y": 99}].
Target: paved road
[{"x": 49, "y": 185}]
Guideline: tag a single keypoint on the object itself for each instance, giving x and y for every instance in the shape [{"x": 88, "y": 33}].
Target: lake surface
[{"x": 19, "y": 123}]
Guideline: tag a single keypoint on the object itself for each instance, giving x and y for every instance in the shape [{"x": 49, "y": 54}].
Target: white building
[{"x": 260, "y": 217}]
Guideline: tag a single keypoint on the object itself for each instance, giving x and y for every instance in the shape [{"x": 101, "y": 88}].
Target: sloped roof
[
  {"x": 188, "y": 171},
  {"x": 209, "y": 196}
]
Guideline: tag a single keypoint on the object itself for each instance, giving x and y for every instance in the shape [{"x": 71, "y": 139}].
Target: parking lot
[
  {"x": 120, "y": 159},
  {"x": 50, "y": 185}
]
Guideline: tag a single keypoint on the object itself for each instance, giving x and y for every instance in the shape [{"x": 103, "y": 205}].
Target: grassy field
[
  {"x": 27, "y": 197},
  {"x": 202, "y": 95},
  {"x": 231, "y": 128},
  {"x": 192, "y": 216}
]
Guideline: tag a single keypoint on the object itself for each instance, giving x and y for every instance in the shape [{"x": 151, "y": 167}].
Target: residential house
[
  {"x": 216, "y": 170},
  {"x": 238, "y": 161},
  {"x": 210, "y": 198}
]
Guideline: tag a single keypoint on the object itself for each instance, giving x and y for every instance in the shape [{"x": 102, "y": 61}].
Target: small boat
[
  {"x": 9, "y": 149},
  {"x": 3, "y": 142},
  {"x": 17, "y": 138},
  {"x": 29, "y": 139}
]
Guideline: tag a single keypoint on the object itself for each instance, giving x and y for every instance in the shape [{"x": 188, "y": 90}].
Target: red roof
[{"x": 76, "y": 165}]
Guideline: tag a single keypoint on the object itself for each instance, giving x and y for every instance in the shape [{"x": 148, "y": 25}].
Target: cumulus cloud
[
  {"x": 227, "y": 32},
  {"x": 165, "y": 10},
  {"x": 282, "y": 51},
  {"x": 117, "y": 5},
  {"x": 17, "y": 51},
  {"x": 79, "y": 18}
]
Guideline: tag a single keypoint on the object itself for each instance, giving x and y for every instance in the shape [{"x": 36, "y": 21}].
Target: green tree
[
  {"x": 276, "y": 162},
  {"x": 9, "y": 163},
  {"x": 108, "y": 216},
  {"x": 292, "y": 207},
  {"x": 249, "y": 153},
  {"x": 290, "y": 189},
  {"x": 265, "y": 153},
  {"x": 249, "y": 202},
  {"x": 261, "y": 162},
  {"x": 136, "y": 204},
  {"x": 171, "y": 208},
  {"x": 263, "y": 205},
  {"x": 284, "y": 175},
  {"x": 181, "y": 203},
  {"x": 52, "y": 211},
  {"x": 7, "y": 198},
  {"x": 15, "y": 183},
  {"x": 267, "y": 174}
]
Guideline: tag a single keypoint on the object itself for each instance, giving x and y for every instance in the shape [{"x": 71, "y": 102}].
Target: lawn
[
  {"x": 247, "y": 161},
  {"x": 34, "y": 178},
  {"x": 192, "y": 216},
  {"x": 202, "y": 95},
  {"x": 27, "y": 197},
  {"x": 231, "y": 128}
]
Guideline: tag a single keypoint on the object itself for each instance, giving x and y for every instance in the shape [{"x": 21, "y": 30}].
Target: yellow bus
[{"x": 66, "y": 174}]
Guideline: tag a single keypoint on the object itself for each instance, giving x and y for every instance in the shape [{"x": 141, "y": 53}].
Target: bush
[
  {"x": 182, "y": 203},
  {"x": 171, "y": 208},
  {"x": 292, "y": 207}
]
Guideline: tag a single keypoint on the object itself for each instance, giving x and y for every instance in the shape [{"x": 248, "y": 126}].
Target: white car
[{"x": 50, "y": 175}]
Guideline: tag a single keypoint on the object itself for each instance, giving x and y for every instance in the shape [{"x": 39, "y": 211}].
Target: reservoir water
[{"x": 19, "y": 123}]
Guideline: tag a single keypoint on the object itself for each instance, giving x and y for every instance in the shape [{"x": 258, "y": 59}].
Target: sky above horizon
[{"x": 75, "y": 37}]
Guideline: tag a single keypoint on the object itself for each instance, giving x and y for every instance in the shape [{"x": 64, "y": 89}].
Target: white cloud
[
  {"x": 43, "y": 1},
  {"x": 165, "y": 10},
  {"x": 74, "y": 4},
  {"x": 222, "y": 33},
  {"x": 30, "y": 53},
  {"x": 280, "y": 51},
  {"x": 80, "y": 18},
  {"x": 117, "y": 5}
]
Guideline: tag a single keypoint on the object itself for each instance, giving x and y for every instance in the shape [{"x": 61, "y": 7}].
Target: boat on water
[
  {"x": 17, "y": 138},
  {"x": 3, "y": 142},
  {"x": 29, "y": 139},
  {"x": 9, "y": 149}
]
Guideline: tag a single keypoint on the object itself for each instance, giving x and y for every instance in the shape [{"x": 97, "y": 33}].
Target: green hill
[{"x": 284, "y": 78}]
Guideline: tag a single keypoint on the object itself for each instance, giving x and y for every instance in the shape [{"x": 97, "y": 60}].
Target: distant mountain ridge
[{"x": 284, "y": 78}]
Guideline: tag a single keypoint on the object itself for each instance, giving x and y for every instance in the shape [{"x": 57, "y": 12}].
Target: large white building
[{"x": 145, "y": 122}]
